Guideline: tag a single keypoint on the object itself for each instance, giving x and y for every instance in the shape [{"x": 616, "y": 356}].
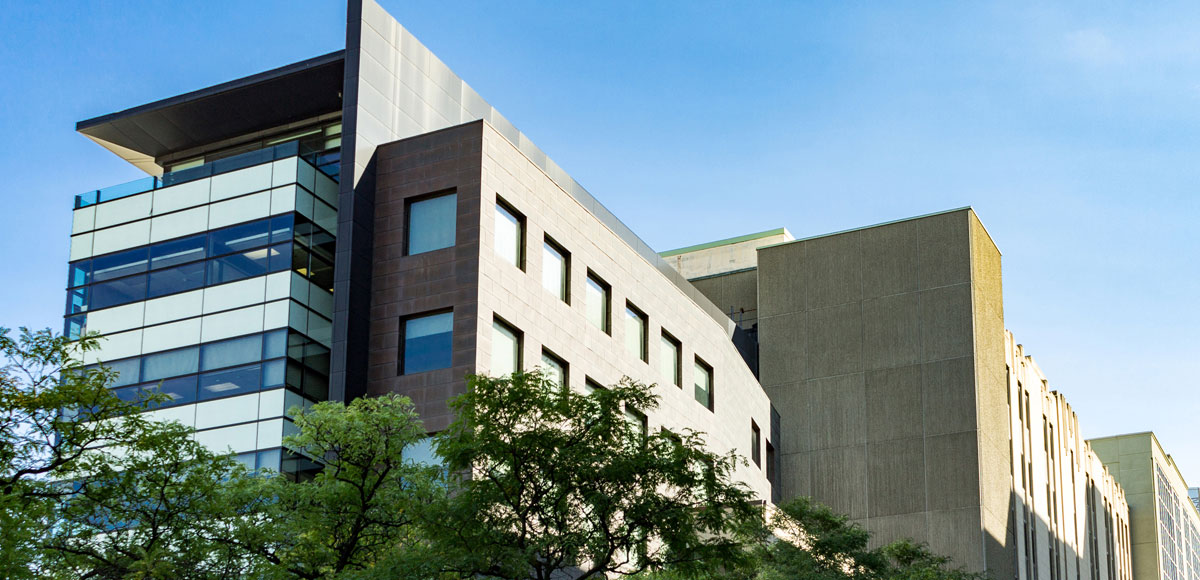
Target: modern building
[
  {"x": 1166, "y": 525},
  {"x": 364, "y": 223},
  {"x": 904, "y": 402}
]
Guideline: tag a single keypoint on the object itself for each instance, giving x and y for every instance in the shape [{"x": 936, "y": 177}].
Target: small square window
[
  {"x": 506, "y": 349},
  {"x": 703, "y": 377},
  {"x": 427, "y": 342},
  {"x": 635, "y": 331},
  {"x": 556, "y": 270},
  {"x": 431, "y": 223},
  {"x": 510, "y": 234},
  {"x": 599, "y": 303}
]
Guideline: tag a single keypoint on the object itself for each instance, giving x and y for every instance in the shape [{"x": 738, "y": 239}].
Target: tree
[
  {"x": 355, "y": 518},
  {"x": 546, "y": 482},
  {"x": 89, "y": 488}
]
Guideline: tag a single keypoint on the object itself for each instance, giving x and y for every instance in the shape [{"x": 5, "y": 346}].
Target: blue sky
[{"x": 1071, "y": 128}]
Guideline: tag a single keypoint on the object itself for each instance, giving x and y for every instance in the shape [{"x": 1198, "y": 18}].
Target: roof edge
[
  {"x": 860, "y": 228},
  {"x": 724, "y": 242}
]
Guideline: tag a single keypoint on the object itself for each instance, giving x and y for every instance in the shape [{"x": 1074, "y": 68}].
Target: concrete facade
[{"x": 1166, "y": 532}]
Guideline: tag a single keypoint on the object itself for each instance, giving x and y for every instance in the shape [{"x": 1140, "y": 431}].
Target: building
[
  {"x": 363, "y": 223},
  {"x": 1166, "y": 524},
  {"x": 904, "y": 402}
]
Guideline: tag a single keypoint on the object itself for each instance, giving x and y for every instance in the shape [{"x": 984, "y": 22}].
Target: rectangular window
[
  {"x": 755, "y": 443},
  {"x": 556, "y": 270},
  {"x": 120, "y": 264},
  {"x": 177, "y": 252},
  {"x": 590, "y": 385},
  {"x": 510, "y": 235},
  {"x": 431, "y": 223},
  {"x": 637, "y": 420},
  {"x": 172, "y": 363},
  {"x": 554, "y": 367},
  {"x": 228, "y": 382},
  {"x": 506, "y": 349},
  {"x": 670, "y": 359},
  {"x": 597, "y": 294},
  {"x": 427, "y": 343},
  {"x": 635, "y": 331},
  {"x": 703, "y": 380},
  {"x": 178, "y": 279},
  {"x": 123, "y": 291},
  {"x": 231, "y": 352},
  {"x": 239, "y": 238},
  {"x": 771, "y": 464}
]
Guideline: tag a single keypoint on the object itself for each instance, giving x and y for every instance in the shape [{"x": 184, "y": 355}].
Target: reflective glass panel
[
  {"x": 702, "y": 375},
  {"x": 235, "y": 381},
  {"x": 427, "y": 342},
  {"x": 431, "y": 223},
  {"x": 77, "y": 300},
  {"x": 508, "y": 236},
  {"x": 635, "y": 333},
  {"x": 128, "y": 371},
  {"x": 506, "y": 350},
  {"x": 119, "y": 264},
  {"x": 554, "y": 271},
  {"x": 177, "y": 252},
  {"x": 170, "y": 364},
  {"x": 116, "y": 292},
  {"x": 597, "y": 303},
  {"x": 231, "y": 352},
  {"x": 281, "y": 228},
  {"x": 239, "y": 238},
  {"x": 556, "y": 370},
  {"x": 180, "y": 390},
  {"x": 79, "y": 273},
  {"x": 238, "y": 266},
  {"x": 669, "y": 359},
  {"x": 178, "y": 279}
]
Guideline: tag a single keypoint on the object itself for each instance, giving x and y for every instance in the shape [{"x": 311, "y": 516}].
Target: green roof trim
[{"x": 725, "y": 242}]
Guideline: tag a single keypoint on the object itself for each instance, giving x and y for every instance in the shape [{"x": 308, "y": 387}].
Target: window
[
  {"x": 431, "y": 223},
  {"x": 755, "y": 443},
  {"x": 670, "y": 359},
  {"x": 239, "y": 238},
  {"x": 771, "y": 463},
  {"x": 637, "y": 420},
  {"x": 120, "y": 264},
  {"x": 228, "y": 382},
  {"x": 178, "y": 279},
  {"x": 635, "y": 331},
  {"x": 597, "y": 293},
  {"x": 591, "y": 386},
  {"x": 704, "y": 384},
  {"x": 506, "y": 349},
  {"x": 556, "y": 270},
  {"x": 177, "y": 252},
  {"x": 555, "y": 368},
  {"x": 427, "y": 344},
  {"x": 172, "y": 363},
  {"x": 510, "y": 235},
  {"x": 231, "y": 352}
]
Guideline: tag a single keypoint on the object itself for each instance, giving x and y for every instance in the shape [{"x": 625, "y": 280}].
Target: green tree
[
  {"x": 355, "y": 518},
  {"x": 546, "y": 482}
]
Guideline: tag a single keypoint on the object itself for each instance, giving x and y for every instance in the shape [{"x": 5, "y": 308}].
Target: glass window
[
  {"x": 77, "y": 300},
  {"x": 170, "y": 364},
  {"x": 422, "y": 452},
  {"x": 238, "y": 238},
  {"x": 177, "y": 279},
  {"x": 275, "y": 344},
  {"x": 238, "y": 266},
  {"x": 506, "y": 349},
  {"x": 321, "y": 273},
  {"x": 427, "y": 343},
  {"x": 180, "y": 390},
  {"x": 635, "y": 331},
  {"x": 637, "y": 420},
  {"x": 73, "y": 326},
  {"x": 273, "y": 373},
  {"x": 127, "y": 371},
  {"x": 279, "y": 258},
  {"x": 119, "y": 264},
  {"x": 755, "y": 443},
  {"x": 177, "y": 252},
  {"x": 597, "y": 302},
  {"x": 235, "y": 381},
  {"x": 510, "y": 235},
  {"x": 79, "y": 273},
  {"x": 703, "y": 381},
  {"x": 555, "y": 270},
  {"x": 281, "y": 228},
  {"x": 121, "y": 291},
  {"x": 431, "y": 223},
  {"x": 555, "y": 368},
  {"x": 670, "y": 361},
  {"x": 590, "y": 386},
  {"x": 231, "y": 352}
]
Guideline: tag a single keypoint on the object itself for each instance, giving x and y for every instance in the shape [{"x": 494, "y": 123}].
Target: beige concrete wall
[{"x": 724, "y": 256}]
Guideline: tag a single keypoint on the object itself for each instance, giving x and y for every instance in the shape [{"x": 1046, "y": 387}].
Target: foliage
[
  {"x": 355, "y": 518},
  {"x": 552, "y": 483}
]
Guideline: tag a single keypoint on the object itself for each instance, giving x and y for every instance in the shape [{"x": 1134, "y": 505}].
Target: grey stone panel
[
  {"x": 945, "y": 250},
  {"x": 782, "y": 286},
  {"x": 894, "y": 405},
  {"x": 888, "y": 529},
  {"x": 946, "y": 322},
  {"x": 839, "y": 479},
  {"x": 958, "y": 534},
  {"x": 837, "y": 411},
  {"x": 952, "y": 470},
  {"x": 836, "y": 336},
  {"x": 792, "y": 402},
  {"x": 890, "y": 259},
  {"x": 896, "y": 477},
  {"x": 783, "y": 340},
  {"x": 891, "y": 331},
  {"x": 833, "y": 269},
  {"x": 796, "y": 474},
  {"x": 948, "y": 394}
]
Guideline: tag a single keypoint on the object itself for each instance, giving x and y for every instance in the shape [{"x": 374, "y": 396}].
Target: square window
[
  {"x": 635, "y": 332},
  {"x": 556, "y": 270},
  {"x": 703, "y": 377},
  {"x": 427, "y": 343},
  {"x": 431, "y": 223},
  {"x": 554, "y": 367},
  {"x": 510, "y": 234},
  {"x": 598, "y": 297},
  {"x": 506, "y": 349},
  {"x": 670, "y": 359}
]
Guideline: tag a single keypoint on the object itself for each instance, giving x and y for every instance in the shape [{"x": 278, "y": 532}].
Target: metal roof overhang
[{"x": 288, "y": 94}]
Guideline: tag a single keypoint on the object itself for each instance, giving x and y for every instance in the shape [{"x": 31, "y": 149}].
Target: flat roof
[
  {"x": 725, "y": 242},
  {"x": 274, "y": 98}
]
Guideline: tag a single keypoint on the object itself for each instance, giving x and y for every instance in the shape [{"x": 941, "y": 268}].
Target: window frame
[
  {"x": 644, "y": 339},
  {"x": 401, "y": 367},
  {"x": 755, "y": 443},
  {"x": 548, "y": 243},
  {"x": 518, "y": 338},
  {"x": 562, "y": 363},
  {"x": 664, "y": 336},
  {"x": 408, "y": 217},
  {"x": 502, "y": 204},
  {"x": 606, "y": 292},
  {"x": 706, "y": 369}
]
